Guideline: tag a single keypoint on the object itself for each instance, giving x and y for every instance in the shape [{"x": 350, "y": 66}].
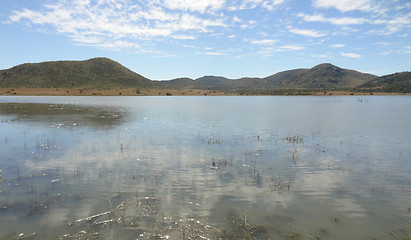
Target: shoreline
[{"x": 165, "y": 92}]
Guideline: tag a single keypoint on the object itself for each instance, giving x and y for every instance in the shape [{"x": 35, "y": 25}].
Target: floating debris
[
  {"x": 211, "y": 140},
  {"x": 55, "y": 180},
  {"x": 221, "y": 163},
  {"x": 89, "y": 218},
  {"x": 294, "y": 139}
]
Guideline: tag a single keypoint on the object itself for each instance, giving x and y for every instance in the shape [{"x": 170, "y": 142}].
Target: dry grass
[
  {"x": 144, "y": 92},
  {"x": 106, "y": 92}
]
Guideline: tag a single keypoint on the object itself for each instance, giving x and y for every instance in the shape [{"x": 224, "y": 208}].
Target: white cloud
[
  {"x": 396, "y": 23},
  {"x": 194, "y": 5},
  {"x": 236, "y": 19},
  {"x": 249, "y": 24},
  {"x": 320, "y": 55},
  {"x": 191, "y": 22},
  {"x": 381, "y": 17},
  {"x": 249, "y": 4},
  {"x": 344, "y": 5},
  {"x": 383, "y": 43},
  {"x": 306, "y": 32},
  {"x": 109, "y": 22},
  {"x": 215, "y": 53},
  {"x": 390, "y": 20},
  {"x": 290, "y": 48},
  {"x": 264, "y": 41},
  {"x": 87, "y": 40},
  {"x": 269, "y": 5},
  {"x": 183, "y": 37},
  {"x": 140, "y": 25},
  {"x": 118, "y": 45},
  {"x": 351, "y": 55},
  {"x": 386, "y": 53},
  {"x": 338, "y": 45},
  {"x": 333, "y": 20},
  {"x": 152, "y": 13},
  {"x": 406, "y": 5},
  {"x": 268, "y": 51}
]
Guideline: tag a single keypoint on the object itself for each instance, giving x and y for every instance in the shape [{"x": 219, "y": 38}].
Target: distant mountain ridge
[
  {"x": 104, "y": 73},
  {"x": 323, "y": 76}
]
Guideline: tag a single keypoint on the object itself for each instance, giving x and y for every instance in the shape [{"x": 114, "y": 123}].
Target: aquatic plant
[
  {"x": 397, "y": 236},
  {"x": 294, "y": 139},
  {"x": 279, "y": 185},
  {"x": 293, "y": 235},
  {"x": 239, "y": 228},
  {"x": 141, "y": 216},
  {"x": 212, "y": 140}
]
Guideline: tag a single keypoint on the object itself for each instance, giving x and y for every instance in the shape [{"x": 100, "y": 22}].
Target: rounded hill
[{"x": 93, "y": 73}]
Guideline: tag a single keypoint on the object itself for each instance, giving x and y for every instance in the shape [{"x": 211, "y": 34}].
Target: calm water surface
[{"x": 205, "y": 167}]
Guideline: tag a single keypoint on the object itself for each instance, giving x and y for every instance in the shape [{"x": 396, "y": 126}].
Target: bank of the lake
[{"x": 171, "y": 92}]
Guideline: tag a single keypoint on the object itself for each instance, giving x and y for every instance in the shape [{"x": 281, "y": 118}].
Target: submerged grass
[
  {"x": 141, "y": 217},
  {"x": 138, "y": 216},
  {"x": 239, "y": 228}
]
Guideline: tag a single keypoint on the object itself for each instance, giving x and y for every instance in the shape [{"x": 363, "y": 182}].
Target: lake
[{"x": 269, "y": 167}]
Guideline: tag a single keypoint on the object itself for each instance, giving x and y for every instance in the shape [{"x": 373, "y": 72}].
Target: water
[{"x": 205, "y": 167}]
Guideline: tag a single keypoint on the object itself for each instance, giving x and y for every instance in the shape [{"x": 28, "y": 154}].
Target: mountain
[
  {"x": 103, "y": 73},
  {"x": 394, "y": 83},
  {"x": 180, "y": 83},
  {"x": 206, "y": 82},
  {"x": 213, "y": 82},
  {"x": 93, "y": 73},
  {"x": 323, "y": 76}
]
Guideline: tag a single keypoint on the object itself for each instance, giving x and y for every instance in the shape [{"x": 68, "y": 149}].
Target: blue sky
[{"x": 166, "y": 39}]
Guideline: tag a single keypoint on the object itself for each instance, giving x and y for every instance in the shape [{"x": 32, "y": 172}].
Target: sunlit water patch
[{"x": 205, "y": 168}]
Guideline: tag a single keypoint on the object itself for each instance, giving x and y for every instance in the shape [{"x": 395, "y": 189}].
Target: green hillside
[
  {"x": 206, "y": 82},
  {"x": 320, "y": 77},
  {"x": 103, "y": 73},
  {"x": 393, "y": 83},
  {"x": 323, "y": 76},
  {"x": 93, "y": 73},
  {"x": 180, "y": 83}
]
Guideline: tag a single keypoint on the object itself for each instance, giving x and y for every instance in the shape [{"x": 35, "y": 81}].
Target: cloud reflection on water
[{"x": 209, "y": 164}]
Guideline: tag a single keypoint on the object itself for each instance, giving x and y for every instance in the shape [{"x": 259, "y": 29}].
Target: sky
[{"x": 167, "y": 39}]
